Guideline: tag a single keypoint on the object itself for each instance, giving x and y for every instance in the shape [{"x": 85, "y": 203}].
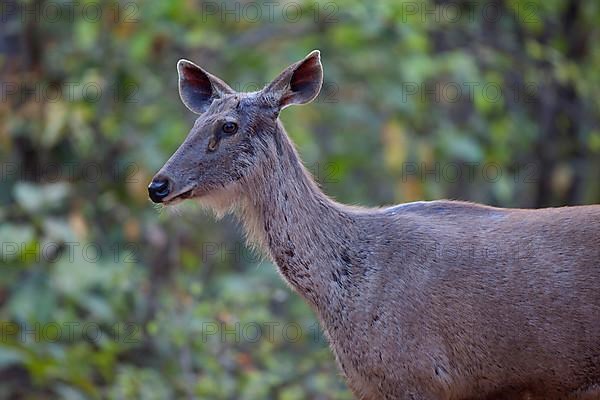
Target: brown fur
[{"x": 427, "y": 300}]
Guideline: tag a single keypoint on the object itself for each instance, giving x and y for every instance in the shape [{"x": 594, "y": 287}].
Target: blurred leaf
[{"x": 38, "y": 198}]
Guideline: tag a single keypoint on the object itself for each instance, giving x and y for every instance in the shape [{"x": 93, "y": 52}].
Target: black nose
[{"x": 158, "y": 190}]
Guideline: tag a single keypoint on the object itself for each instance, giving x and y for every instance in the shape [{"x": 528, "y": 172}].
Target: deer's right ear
[{"x": 198, "y": 88}]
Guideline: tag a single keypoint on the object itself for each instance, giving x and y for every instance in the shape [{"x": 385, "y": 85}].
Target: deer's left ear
[
  {"x": 198, "y": 88},
  {"x": 299, "y": 83}
]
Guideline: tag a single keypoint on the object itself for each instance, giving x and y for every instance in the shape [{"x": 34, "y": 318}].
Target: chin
[{"x": 220, "y": 201}]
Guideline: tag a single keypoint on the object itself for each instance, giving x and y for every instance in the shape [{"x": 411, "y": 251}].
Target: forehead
[{"x": 235, "y": 101}]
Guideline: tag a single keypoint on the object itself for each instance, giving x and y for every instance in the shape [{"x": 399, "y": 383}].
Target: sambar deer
[{"x": 426, "y": 300}]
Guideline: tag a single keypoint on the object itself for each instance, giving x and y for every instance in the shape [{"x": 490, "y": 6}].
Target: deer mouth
[{"x": 180, "y": 197}]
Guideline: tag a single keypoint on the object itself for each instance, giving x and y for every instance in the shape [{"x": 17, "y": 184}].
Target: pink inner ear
[
  {"x": 196, "y": 81},
  {"x": 306, "y": 76}
]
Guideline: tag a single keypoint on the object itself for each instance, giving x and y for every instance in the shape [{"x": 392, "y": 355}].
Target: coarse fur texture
[{"x": 428, "y": 300}]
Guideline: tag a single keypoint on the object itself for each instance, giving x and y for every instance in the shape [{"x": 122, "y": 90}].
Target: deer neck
[{"x": 306, "y": 234}]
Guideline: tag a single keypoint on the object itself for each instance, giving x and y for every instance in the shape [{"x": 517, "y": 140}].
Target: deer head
[{"x": 232, "y": 136}]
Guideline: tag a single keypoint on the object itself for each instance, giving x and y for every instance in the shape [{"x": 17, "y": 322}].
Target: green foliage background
[{"x": 143, "y": 290}]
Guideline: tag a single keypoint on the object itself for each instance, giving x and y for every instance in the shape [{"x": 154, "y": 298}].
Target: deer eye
[{"x": 230, "y": 128}]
